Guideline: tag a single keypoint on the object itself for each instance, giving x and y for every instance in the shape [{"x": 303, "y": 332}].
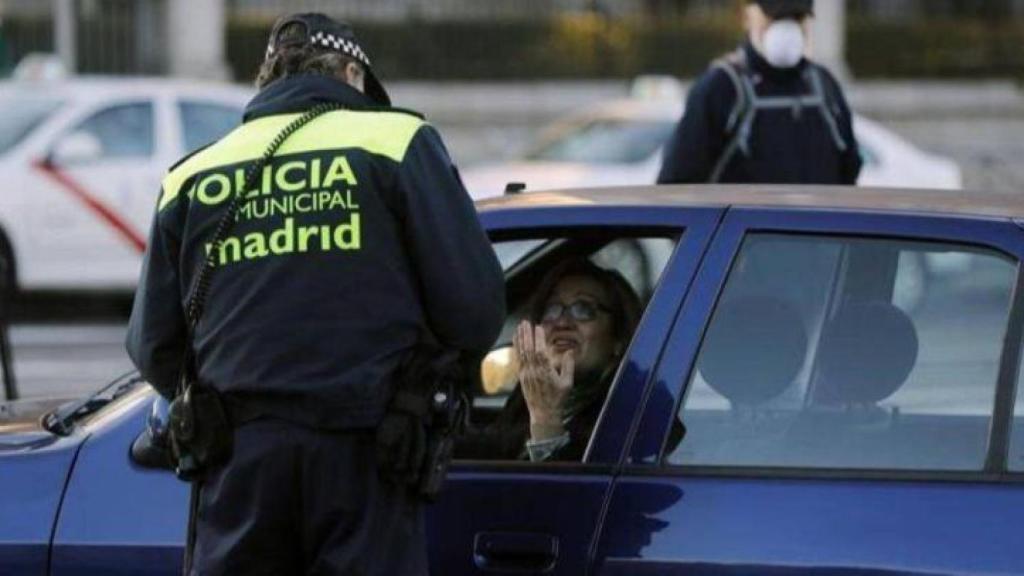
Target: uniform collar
[{"x": 301, "y": 92}]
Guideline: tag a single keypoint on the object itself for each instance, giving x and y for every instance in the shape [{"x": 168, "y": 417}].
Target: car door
[
  {"x": 836, "y": 421},
  {"x": 107, "y": 166},
  {"x": 518, "y": 517}
]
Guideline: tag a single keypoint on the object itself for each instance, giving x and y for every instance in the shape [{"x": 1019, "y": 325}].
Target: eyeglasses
[{"x": 580, "y": 311}]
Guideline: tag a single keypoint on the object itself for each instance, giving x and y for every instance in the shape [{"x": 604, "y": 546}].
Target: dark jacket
[
  {"x": 785, "y": 147},
  {"x": 358, "y": 239},
  {"x": 505, "y": 438}
]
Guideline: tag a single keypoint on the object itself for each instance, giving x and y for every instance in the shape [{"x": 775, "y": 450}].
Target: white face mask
[{"x": 783, "y": 44}]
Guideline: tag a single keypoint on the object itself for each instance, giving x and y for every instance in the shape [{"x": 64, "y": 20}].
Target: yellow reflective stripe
[{"x": 384, "y": 133}]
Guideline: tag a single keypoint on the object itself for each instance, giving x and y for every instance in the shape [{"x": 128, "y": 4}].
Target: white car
[
  {"x": 81, "y": 161},
  {"x": 621, "y": 142}
]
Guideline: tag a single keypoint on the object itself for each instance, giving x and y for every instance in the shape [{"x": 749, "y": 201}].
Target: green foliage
[
  {"x": 579, "y": 45},
  {"x": 935, "y": 48},
  {"x": 568, "y": 46}
]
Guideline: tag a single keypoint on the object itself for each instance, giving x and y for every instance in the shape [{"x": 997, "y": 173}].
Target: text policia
[{"x": 288, "y": 189}]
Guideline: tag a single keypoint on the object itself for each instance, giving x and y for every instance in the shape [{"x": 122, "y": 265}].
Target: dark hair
[
  {"x": 304, "y": 58},
  {"x": 625, "y": 304}
]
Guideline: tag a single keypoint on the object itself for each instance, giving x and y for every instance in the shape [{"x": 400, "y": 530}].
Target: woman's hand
[{"x": 545, "y": 383}]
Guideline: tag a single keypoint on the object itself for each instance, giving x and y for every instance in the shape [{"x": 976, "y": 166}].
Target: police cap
[
  {"x": 326, "y": 33},
  {"x": 776, "y": 9}
]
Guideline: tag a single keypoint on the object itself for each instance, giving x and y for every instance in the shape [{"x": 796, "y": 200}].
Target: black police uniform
[
  {"x": 808, "y": 143},
  {"x": 355, "y": 240}
]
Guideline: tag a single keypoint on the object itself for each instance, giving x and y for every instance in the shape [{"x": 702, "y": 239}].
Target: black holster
[
  {"x": 200, "y": 431},
  {"x": 417, "y": 435},
  {"x": 447, "y": 414}
]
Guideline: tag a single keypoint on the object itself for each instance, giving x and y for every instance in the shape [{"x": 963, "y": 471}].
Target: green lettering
[
  {"x": 235, "y": 245},
  {"x": 314, "y": 174},
  {"x": 282, "y": 240},
  {"x": 337, "y": 199},
  {"x": 223, "y": 189},
  {"x": 279, "y": 204},
  {"x": 260, "y": 203},
  {"x": 304, "y": 203},
  {"x": 282, "y": 177},
  {"x": 325, "y": 238},
  {"x": 350, "y": 202},
  {"x": 339, "y": 170},
  {"x": 347, "y": 236},
  {"x": 304, "y": 234},
  {"x": 255, "y": 246}
]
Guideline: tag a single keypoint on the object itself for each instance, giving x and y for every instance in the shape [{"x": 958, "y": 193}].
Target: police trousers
[{"x": 297, "y": 501}]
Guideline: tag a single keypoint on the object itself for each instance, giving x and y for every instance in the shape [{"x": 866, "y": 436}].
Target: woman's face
[{"x": 591, "y": 340}]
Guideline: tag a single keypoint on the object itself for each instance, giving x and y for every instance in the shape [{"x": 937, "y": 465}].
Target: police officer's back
[
  {"x": 355, "y": 243},
  {"x": 765, "y": 113}
]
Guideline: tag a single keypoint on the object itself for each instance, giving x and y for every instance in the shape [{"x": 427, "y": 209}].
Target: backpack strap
[
  {"x": 744, "y": 111},
  {"x": 829, "y": 106}
]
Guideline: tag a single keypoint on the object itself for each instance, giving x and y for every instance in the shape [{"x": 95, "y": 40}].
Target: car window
[
  {"x": 849, "y": 353},
  {"x": 19, "y": 116},
  {"x": 499, "y": 415},
  {"x": 205, "y": 122},
  {"x": 606, "y": 141},
  {"x": 1017, "y": 436},
  {"x": 511, "y": 252},
  {"x": 122, "y": 131}
]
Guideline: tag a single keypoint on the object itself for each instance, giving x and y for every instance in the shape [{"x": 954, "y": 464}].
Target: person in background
[{"x": 765, "y": 113}]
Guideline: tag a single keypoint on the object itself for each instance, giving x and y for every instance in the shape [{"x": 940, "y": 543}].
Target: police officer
[
  {"x": 357, "y": 238},
  {"x": 765, "y": 113}
]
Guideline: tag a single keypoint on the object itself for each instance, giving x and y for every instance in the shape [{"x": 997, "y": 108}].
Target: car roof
[{"x": 954, "y": 202}]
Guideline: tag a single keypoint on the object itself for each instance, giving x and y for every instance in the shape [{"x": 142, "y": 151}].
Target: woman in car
[{"x": 580, "y": 321}]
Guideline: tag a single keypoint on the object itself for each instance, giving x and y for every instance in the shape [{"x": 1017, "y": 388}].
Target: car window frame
[
  {"x": 997, "y": 234},
  {"x": 94, "y": 108},
  {"x": 694, "y": 227}
]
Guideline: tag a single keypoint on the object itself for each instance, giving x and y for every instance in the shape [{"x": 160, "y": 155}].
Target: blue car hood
[{"x": 34, "y": 468}]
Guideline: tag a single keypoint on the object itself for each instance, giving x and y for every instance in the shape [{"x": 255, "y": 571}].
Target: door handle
[{"x": 515, "y": 551}]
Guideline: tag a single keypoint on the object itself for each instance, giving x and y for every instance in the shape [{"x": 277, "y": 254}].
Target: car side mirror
[
  {"x": 152, "y": 448},
  {"x": 499, "y": 371},
  {"x": 76, "y": 148}
]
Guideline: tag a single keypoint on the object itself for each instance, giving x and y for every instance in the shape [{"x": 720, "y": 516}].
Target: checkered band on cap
[
  {"x": 342, "y": 45},
  {"x": 331, "y": 41}
]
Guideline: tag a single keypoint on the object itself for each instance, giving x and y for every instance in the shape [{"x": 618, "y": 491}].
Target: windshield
[
  {"x": 19, "y": 116},
  {"x": 511, "y": 252},
  {"x": 606, "y": 141},
  {"x": 61, "y": 421}
]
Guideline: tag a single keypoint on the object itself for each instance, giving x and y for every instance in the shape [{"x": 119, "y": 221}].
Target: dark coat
[
  {"x": 785, "y": 147},
  {"x": 358, "y": 239},
  {"x": 505, "y": 438}
]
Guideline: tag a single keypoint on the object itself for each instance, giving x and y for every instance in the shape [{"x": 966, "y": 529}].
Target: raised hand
[{"x": 545, "y": 381}]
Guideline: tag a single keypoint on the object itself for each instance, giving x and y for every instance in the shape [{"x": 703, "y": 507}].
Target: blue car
[{"x": 791, "y": 403}]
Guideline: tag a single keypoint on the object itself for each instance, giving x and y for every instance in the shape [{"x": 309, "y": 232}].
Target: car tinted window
[
  {"x": 849, "y": 353},
  {"x": 499, "y": 415},
  {"x": 19, "y": 116},
  {"x": 122, "y": 131},
  {"x": 1017, "y": 437},
  {"x": 205, "y": 122},
  {"x": 606, "y": 141}
]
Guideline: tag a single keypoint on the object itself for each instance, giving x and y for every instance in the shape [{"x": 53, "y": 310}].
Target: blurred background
[
  {"x": 942, "y": 73},
  {"x": 101, "y": 96}
]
